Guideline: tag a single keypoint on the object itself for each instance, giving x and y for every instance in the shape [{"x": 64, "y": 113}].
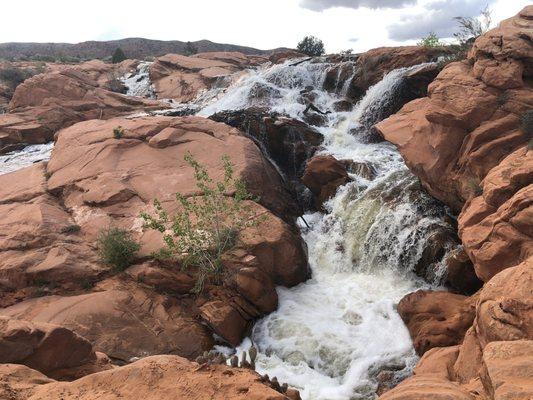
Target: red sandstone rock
[
  {"x": 323, "y": 175},
  {"x": 467, "y": 144},
  {"x": 152, "y": 378},
  {"x": 182, "y": 78},
  {"x": 98, "y": 180},
  {"x": 436, "y": 319},
  {"x": 42, "y": 346}
]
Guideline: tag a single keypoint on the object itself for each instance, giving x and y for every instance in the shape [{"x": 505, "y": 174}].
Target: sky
[{"x": 342, "y": 24}]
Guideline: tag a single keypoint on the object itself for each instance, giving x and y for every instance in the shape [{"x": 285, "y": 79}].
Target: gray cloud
[
  {"x": 321, "y": 5},
  {"x": 437, "y": 18},
  {"x": 353, "y": 40}
]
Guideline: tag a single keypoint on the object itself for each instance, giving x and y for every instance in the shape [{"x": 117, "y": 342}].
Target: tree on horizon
[{"x": 118, "y": 56}]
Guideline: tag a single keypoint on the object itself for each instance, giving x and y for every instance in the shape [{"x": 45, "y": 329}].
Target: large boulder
[
  {"x": 152, "y": 378},
  {"x": 288, "y": 141},
  {"x": 496, "y": 227},
  {"x": 436, "y": 319},
  {"x": 370, "y": 67},
  {"x": 122, "y": 320},
  {"x": 493, "y": 361},
  {"x": 97, "y": 179},
  {"x": 323, "y": 175},
  {"x": 42, "y": 346}
]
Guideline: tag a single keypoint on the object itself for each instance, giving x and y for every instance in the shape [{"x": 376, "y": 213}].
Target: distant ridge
[{"x": 133, "y": 48}]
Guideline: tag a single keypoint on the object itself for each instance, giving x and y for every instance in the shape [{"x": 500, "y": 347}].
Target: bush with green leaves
[
  {"x": 431, "y": 40},
  {"x": 311, "y": 46},
  {"x": 206, "y": 225},
  {"x": 526, "y": 123},
  {"x": 13, "y": 77},
  {"x": 117, "y": 248},
  {"x": 118, "y": 132}
]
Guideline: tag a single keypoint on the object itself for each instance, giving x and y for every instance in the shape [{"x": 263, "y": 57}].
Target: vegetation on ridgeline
[
  {"x": 431, "y": 40},
  {"x": 206, "y": 225},
  {"x": 118, "y": 56},
  {"x": 311, "y": 46},
  {"x": 14, "y": 76},
  {"x": 190, "y": 49}
]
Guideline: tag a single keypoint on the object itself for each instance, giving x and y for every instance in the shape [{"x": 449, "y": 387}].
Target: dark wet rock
[
  {"x": 441, "y": 240},
  {"x": 288, "y": 142},
  {"x": 461, "y": 275}
]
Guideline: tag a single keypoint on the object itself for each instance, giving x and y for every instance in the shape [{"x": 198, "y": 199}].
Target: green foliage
[
  {"x": 71, "y": 229},
  {"x": 116, "y": 248},
  {"x": 431, "y": 40},
  {"x": 118, "y": 132},
  {"x": 471, "y": 27},
  {"x": 475, "y": 187},
  {"x": 190, "y": 49},
  {"x": 118, "y": 56},
  {"x": 503, "y": 97},
  {"x": 526, "y": 123},
  {"x": 205, "y": 226},
  {"x": 311, "y": 46},
  {"x": 15, "y": 76}
]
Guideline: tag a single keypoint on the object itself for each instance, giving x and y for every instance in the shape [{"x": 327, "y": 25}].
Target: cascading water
[
  {"x": 19, "y": 159},
  {"x": 332, "y": 335},
  {"x": 139, "y": 83}
]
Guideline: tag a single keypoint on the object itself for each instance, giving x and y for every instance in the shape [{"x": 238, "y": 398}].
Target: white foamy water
[
  {"x": 19, "y": 159},
  {"x": 139, "y": 83},
  {"x": 333, "y": 334}
]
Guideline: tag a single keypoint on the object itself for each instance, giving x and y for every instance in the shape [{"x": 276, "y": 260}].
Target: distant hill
[{"x": 138, "y": 48}]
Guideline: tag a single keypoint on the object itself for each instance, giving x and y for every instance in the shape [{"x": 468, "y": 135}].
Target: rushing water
[
  {"x": 138, "y": 83},
  {"x": 22, "y": 158},
  {"x": 332, "y": 335}
]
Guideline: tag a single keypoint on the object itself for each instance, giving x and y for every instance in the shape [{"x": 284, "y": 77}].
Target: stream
[{"x": 333, "y": 335}]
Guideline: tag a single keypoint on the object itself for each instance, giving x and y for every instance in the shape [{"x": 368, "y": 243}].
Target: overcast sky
[{"x": 341, "y": 24}]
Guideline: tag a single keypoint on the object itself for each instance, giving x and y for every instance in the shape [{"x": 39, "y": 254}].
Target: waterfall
[
  {"x": 332, "y": 335},
  {"x": 139, "y": 83},
  {"x": 22, "y": 158}
]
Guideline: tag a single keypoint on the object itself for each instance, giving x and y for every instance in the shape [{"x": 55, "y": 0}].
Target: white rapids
[
  {"x": 22, "y": 158},
  {"x": 139, "y": 83},
  {"x": 332, "y": 335}
]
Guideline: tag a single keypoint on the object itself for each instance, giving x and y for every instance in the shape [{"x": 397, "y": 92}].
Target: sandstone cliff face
[{"x": 470, "y": 142}]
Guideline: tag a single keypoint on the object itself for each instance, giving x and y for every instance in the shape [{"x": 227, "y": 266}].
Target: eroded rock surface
[
  {"x": 152, "y": 378},
  {"x": 469, "y": 142},
  {"x": 95, "y": 180}
]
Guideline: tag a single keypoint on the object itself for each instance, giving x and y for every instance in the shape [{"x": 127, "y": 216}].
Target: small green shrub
[
  {"x": 116, "y": 248},
  {"x": 431, "y": 40},
  {"x": 207, "y": 225},
  {"x": 15, "y": 76},
  {"x": 526, "y": 123},
  {"x": 118, "y": 132},
  {"x": 502, "y": 98},
  {"x": 475, "y": 187},
  {"x": 71, "y": 229}
]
